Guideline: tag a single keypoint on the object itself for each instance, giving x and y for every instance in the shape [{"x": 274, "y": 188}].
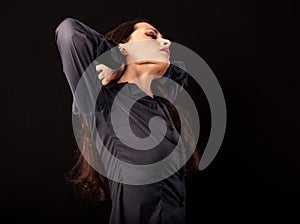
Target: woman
[{"x": 139, "y": 56}]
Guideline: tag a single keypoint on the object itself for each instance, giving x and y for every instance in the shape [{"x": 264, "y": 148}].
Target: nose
[{"x": 165, "y": 42}]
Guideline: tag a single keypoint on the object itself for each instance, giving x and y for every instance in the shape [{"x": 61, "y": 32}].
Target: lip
[{"x": 166, "y": 50}]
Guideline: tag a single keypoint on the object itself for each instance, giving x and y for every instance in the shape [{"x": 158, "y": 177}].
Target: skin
[{"x": 147, "y": 56}]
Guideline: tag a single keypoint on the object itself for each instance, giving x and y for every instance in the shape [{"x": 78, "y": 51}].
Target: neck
[{"x": 142, "y": 75}]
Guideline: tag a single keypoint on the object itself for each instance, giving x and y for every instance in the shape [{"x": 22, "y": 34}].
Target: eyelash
[{"x": 152, "y": 35}]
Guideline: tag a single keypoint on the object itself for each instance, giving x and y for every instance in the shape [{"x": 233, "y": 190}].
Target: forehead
[{"x": 145, "y": 26}]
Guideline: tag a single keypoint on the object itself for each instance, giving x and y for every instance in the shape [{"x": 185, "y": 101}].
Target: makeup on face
[{"x": 146, "y": 43}]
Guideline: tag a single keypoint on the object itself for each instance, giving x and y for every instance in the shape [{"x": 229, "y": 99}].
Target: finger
[
  {"x": 99, "y": 68},
  {"x": 101, "y": 75},
  {"x": 105, "y": 81}
]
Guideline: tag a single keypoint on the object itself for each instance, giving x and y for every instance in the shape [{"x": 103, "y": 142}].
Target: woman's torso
[{"x": 141, "y": 195}]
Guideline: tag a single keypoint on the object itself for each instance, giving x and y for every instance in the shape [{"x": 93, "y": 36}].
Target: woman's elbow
[{"x": 65, "y": 31}]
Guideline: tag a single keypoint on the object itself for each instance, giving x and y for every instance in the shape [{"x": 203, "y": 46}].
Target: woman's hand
[{"x": 107, "y": 74}]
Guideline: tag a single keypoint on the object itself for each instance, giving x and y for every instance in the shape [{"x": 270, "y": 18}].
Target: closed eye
[{"x": 152, "y": 35}]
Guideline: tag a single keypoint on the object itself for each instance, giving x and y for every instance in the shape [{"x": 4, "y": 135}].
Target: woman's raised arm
[{"x": 79, "y": 45}]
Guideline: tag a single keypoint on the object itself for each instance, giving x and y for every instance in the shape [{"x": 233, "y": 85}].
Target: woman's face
[{"x": 146, "y": 45}]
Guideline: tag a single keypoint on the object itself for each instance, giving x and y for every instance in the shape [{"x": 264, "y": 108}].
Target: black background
[{"x": 252, "y": 48}]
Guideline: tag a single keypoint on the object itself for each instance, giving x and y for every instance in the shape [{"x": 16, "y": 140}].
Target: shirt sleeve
[{"x": 79, "y": 45}]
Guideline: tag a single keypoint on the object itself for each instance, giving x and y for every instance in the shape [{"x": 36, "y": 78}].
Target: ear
[{"x": 123, "y": 50}]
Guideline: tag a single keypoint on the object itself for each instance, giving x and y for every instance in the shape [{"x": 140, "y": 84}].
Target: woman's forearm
[{"x": 79, "y": 45}]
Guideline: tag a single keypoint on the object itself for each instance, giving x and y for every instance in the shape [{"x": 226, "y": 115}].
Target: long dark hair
[{"x": 86, "y": 179}]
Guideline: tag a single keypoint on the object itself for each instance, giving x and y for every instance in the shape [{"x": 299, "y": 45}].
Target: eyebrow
[{"x": 154, "y": 31}]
